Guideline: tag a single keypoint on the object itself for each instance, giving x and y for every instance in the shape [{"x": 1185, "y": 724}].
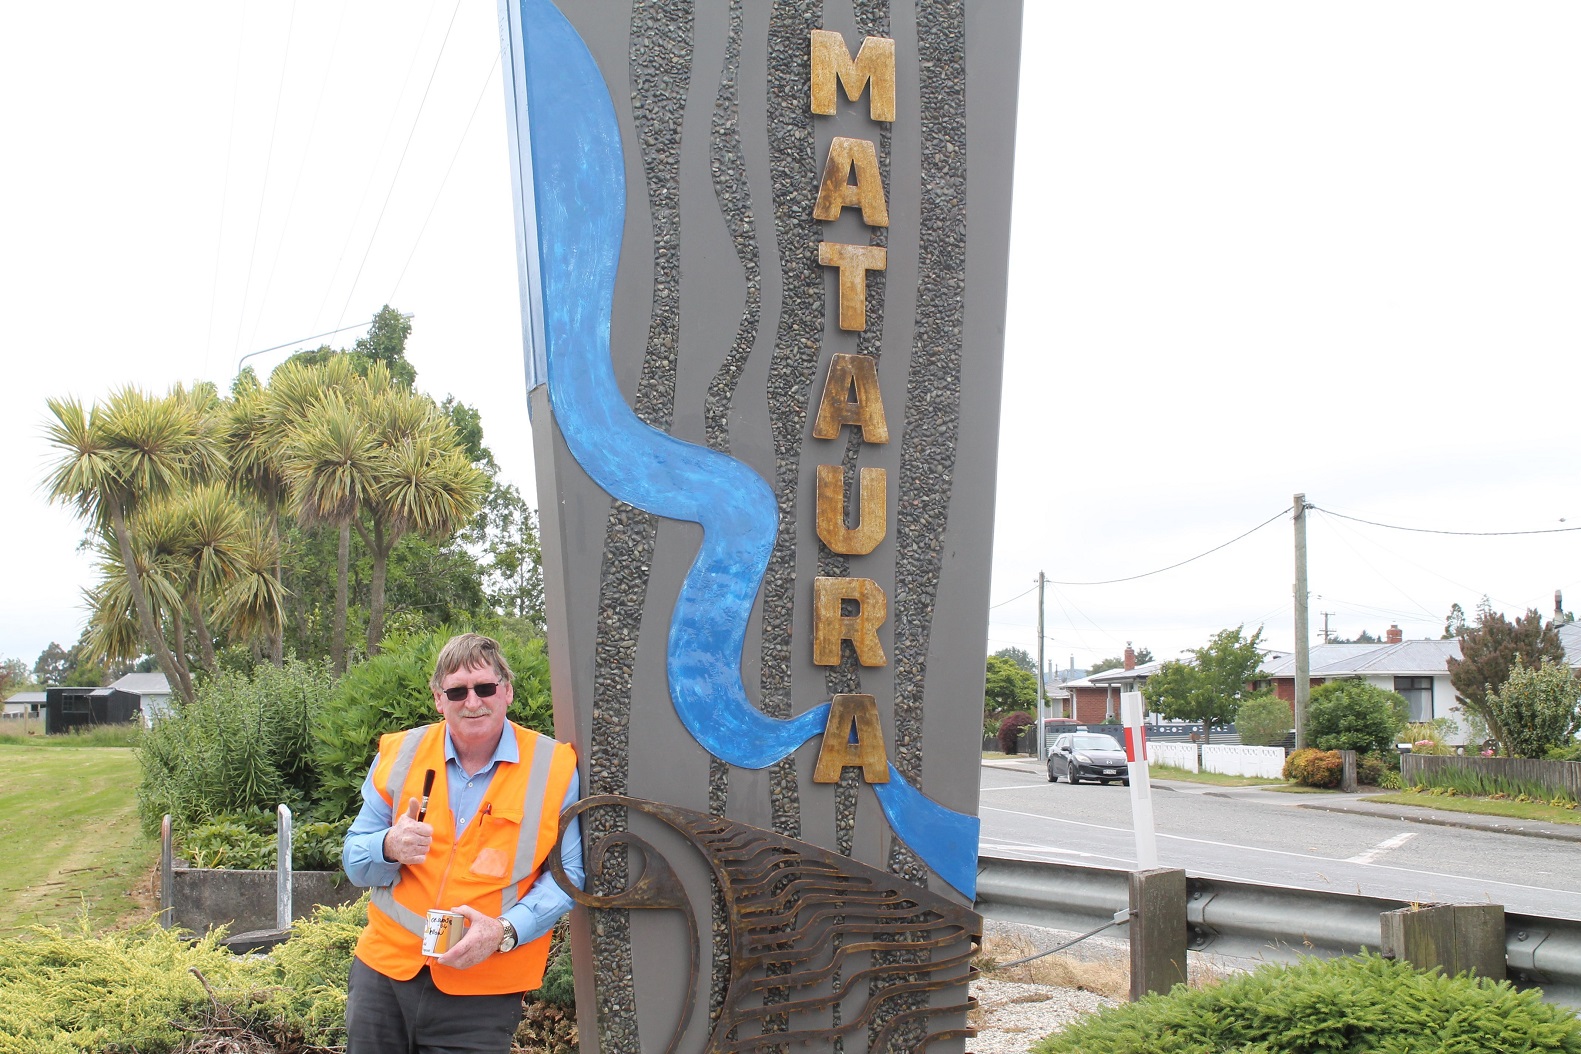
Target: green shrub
[
  {"x": 1355, "y": 715},
  {"x": 1537, "y": 709},
  {"x": 390, "y": 692},
  {"x": 1361, "y": 1005},
  {"x": 63, "y": 992},
  {"x": 311, "y": 969},
  {"x": 1010, "y": 731},
  {"x": 559, "y": 987},
  {"x": 1568, "y": 753},
  {"x": 1370, "y": 768},
  {"x": 1263, "y": 720},
  {"x": 247, "y": 841},
  {"x": 1427, "y": 737},
  {"x": 1390, "y": 780},
  {"x": 1314, "y": 768},
  {"x": 243, "y": 744}
]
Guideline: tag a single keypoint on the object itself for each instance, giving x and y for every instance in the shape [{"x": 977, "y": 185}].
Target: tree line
[
  {"x": 309, "y": 515},
  {"x": 1513, "y": 682}
]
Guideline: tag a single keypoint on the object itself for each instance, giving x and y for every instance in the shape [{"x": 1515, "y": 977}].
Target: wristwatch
[{"x": 508, "y": 937}]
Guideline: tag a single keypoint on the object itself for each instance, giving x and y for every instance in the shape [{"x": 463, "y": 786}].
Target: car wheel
[
  {"x": 1074, "y": 779},
  {"x": 1125, "y": 783},
  {"x": 1052, "y": 778}
]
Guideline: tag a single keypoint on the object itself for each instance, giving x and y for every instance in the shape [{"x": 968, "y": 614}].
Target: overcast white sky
[{"x": 1259, "y": 248}]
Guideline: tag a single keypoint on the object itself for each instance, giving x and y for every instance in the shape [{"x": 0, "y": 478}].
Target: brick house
[{"x": 1095, "y": 699}]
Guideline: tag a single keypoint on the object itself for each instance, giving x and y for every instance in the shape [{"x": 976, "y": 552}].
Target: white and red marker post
[{"x": 1132, "y": 712}]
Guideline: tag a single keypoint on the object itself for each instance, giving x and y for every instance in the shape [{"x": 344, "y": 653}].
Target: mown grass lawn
[
  {"x": 68, "y": 821},
  {"x": 1217, "y": 779},
  {"x": 1537, "y": 812}
]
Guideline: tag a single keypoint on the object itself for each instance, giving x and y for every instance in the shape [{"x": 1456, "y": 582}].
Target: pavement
[{"x": 1336, "y": 802}]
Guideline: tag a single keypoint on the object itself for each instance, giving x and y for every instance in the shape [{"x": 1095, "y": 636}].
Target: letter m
[{"x": 874, "y": 65}]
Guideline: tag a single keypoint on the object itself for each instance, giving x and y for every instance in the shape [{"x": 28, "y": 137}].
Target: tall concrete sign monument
[{"x": 762, "y": 249}]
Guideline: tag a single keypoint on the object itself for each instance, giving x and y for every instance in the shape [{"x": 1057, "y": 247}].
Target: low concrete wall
[
  {"x": 244, "y": 901},
  {"x": 1263, "y": 762},
  {"x": 1180, "y": 755}
]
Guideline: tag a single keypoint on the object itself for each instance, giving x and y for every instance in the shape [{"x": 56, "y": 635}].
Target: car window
[
  {"x": 1062, "y": 743},
  {"x": 1095, "y": 742}
]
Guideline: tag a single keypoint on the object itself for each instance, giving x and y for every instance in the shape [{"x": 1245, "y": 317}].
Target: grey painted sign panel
[{"x": 722, "y": 329}]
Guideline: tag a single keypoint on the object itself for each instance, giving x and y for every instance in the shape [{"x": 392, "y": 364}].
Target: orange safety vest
[{"x": 490, "y": 868}]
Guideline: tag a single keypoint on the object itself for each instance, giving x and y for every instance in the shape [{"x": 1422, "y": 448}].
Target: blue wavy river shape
[{"x": 579, "y": 194}]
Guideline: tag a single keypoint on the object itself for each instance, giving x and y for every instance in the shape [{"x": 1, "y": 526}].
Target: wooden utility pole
[
  {"x": 1042, "y": 746},
  {"x": 1303, "y": 637}
]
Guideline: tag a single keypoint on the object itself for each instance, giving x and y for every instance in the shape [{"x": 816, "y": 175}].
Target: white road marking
[
  {"x": 1382, "y": 847},
  {"x": 1026, "y": 848},
  {"x": 1415, "y": 872},
  {"x": 1017, "y": 787}
]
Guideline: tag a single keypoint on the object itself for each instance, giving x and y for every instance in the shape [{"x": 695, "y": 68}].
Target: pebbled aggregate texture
[
  {"x": 932, "y": 416},
  {"x": 660, "y": 68},
  {"x": 798, "y": 341},
  {"x": 660, "y": 59},
  {"x": 728, "y": 167},
  {"x": 872, "y": 20}
]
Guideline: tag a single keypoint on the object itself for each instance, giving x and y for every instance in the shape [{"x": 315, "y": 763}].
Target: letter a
[
  {"x": 836, "y": 191},
  {"x": 852, "y": 736},
  {"x": 847, "y": 372}
]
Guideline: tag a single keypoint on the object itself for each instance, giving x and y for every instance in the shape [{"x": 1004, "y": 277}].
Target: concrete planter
[{"x": 245, "y": 901}]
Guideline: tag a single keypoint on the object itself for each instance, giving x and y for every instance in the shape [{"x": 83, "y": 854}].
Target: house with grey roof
[
  {"x": 153, "y": 692},
  {"x": 23, "y": 705}
]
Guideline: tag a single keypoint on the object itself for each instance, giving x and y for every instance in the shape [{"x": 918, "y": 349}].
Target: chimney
[
  {"x": 1394, "y": 636},
  {"x": 1130, "y": 657},
  {"x": 1559, "y": 606}
]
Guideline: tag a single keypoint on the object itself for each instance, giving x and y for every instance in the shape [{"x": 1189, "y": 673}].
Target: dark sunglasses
[{"x": 483, "y": 691}]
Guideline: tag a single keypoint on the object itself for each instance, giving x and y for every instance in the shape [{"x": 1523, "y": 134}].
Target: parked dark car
[{"x": 1088, "y": 755}]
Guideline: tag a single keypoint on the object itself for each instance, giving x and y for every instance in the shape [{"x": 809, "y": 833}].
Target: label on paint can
[{"x": 442, "y": 930}]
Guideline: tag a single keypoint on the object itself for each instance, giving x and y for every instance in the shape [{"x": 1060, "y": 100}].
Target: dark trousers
[{"x": 385, "y": 1016}]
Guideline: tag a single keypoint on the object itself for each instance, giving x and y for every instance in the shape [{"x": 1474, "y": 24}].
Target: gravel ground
[{"x": 1011, "y": 1017}]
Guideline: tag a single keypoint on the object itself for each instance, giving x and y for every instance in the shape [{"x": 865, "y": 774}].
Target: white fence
[
  {"x": 1266, "y": 762},
  {"x": 1180, "y": 755}
]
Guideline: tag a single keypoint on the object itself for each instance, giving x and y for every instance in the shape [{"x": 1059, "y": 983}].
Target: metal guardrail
[{"x": 1244, "y": 920}]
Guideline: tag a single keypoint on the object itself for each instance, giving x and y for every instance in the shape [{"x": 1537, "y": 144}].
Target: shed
[{"x": 69, "y": 708}]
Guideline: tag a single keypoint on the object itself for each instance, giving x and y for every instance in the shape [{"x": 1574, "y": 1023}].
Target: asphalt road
[{"x": 1276, "y": 838}]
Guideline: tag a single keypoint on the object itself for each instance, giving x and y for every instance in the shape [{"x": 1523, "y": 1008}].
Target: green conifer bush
[{"x": 1357, "y": 1005}]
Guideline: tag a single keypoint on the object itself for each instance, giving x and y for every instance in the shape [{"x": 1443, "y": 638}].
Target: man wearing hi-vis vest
[{"x": 458, "y": 816}]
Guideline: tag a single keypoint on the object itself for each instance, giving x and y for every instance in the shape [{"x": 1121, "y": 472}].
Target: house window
[
  {"x": 75, "y": 704},
  {"x": 1418, "y": 692}
]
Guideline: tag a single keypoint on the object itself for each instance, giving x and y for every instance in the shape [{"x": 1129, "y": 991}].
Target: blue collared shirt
[{"x": 532, "y": 916}]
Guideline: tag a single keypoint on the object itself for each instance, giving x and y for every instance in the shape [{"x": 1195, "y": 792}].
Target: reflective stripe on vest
[
  {"x": 403, "y": 763},
  {"x": 527, "y": 841},
  {"x": 383, "y": 899},
  {"x": 489, "y": 865}
]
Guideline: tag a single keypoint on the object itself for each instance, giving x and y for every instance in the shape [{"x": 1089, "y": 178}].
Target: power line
[
  {"x": 399, "y": 164},
  {"x": 1432, "y": 530},
  {"x": 263, "y": 195},
  {"x": 296, "y": 185},
  {"x": 446, "y": 179},
  {"x": 1018, "y": 596},
  {"x": 373, "y": 171},
  {"x": 1183, "y": 563},
  {"x": 304, "y": 340},
  {"x": 225, "y": 192}
]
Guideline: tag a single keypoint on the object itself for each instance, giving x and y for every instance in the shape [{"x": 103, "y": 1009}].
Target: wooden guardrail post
[
  {"x": 1454, "y": 937},
  {"x": 1158, "y": 930}
]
